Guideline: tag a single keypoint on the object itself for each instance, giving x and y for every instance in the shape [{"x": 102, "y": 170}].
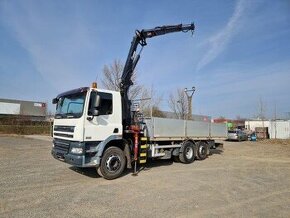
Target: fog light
[{"x": 77, "y": 150}]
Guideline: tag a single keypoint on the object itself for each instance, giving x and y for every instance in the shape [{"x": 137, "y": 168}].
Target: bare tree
[
  {"x": 112, "y": 76},
  {"x": 261, "y": 109},
  {"x": 149, "y": 103},
  {"x": 178, "y": 103},
  {"x": 147, "y": 98}
]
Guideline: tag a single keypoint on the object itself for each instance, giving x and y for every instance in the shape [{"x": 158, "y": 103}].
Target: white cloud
[{"x": 219, "y": 41}]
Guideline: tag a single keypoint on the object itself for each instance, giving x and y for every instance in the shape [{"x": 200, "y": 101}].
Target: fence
[{"x": 18, "y": 125}]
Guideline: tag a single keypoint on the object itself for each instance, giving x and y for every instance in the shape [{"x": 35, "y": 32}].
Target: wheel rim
[
  {"x": 202, "y": 150},
  {"x": 188, "y": 152},
  {"x": 113, "y": 163}
]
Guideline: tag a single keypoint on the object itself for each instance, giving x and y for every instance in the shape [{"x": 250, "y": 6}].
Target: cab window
[{"x": 106, "y": 102}]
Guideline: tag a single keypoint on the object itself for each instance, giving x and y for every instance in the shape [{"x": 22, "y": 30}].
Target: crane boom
[{"x": 132, "y": 60}]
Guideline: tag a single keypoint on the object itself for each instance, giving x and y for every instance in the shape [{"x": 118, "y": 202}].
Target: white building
[
  {"x": 279, "y": 129},
  {"x": 252, "y": 124}
]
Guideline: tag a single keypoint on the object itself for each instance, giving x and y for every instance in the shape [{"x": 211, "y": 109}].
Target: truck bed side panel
[
  {"x": 197, "y": 129},
  {"x": 218, "y": 130},
  {"x": 167, "y": 129}
]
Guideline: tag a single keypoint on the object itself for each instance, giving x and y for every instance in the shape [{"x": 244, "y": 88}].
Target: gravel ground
[{"x": 244, "y": 179}]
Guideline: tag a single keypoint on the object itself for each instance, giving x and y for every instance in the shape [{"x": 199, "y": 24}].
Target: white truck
[{"x": 96, "y": 128}]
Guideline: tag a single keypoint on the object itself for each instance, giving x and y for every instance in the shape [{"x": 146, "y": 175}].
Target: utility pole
[
  {"x": 275, "y": 120},
  {"x": 178, "y": 102},
  {"x": 189, "y": 94}
]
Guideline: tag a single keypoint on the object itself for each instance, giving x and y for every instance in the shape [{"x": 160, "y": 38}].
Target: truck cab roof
[{"x": 73, "y": 91}]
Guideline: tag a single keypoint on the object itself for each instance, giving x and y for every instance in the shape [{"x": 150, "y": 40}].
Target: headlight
[{"x": 77, "y": 150}]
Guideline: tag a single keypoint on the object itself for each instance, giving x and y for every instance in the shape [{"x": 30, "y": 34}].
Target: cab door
[{"x": 105, "y": 124}]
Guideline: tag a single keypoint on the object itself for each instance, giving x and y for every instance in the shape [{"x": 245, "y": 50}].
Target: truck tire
[
  {"x": 187, "y": 154},
  {"x": 176, "y": 159},
  {"x": 202, "y": 150},
  {"x": 99, "y": 172},
  {"x": 113, "y": 163}
]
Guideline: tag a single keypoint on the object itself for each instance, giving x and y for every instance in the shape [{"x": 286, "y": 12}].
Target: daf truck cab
[{"x": 85, "y": 119}]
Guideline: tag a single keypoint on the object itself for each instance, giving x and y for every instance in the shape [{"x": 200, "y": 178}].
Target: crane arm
[
  {"x": 140, "y": 39},
  {"x": 132, "y": 60}
]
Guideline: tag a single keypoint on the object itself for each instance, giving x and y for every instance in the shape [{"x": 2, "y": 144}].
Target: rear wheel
[
  {"x": 175, "y": 159},
  {"x": 187, "y": 155},
  {"x": 113, "y": 163},
  {"x": 202, "y": 150}
]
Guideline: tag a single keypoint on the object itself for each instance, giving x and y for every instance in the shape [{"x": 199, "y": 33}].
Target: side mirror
[
  {"x": 94, "y": 110},
  {"x": 54, "y": 101},
  {"x": 97, "y": 101}
]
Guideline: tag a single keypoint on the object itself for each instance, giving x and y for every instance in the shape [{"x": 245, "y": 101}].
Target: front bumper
[{"x": 61, "y": 152}]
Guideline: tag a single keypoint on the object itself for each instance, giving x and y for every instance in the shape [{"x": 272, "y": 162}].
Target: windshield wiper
[
  {"x": 70, "y": 115},
  {"x": 58, "y": 116},
  {"x": 67, "y": 115}
]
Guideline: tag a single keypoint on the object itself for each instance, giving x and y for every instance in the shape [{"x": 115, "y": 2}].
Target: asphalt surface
[{"x": 244, "y": 179}]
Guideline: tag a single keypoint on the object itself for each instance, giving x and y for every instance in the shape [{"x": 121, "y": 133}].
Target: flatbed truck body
[{"x": 166, "y": 136}]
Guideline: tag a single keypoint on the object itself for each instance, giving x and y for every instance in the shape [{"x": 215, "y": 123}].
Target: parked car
[
  {"x": 237, "y": 135},
  {"x": 252, "y": 137}
]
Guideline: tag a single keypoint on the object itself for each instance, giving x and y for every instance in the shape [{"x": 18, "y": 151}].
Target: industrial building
[
  {"x": 231, "y": 124},
  {"x": 31, "y": 110}
]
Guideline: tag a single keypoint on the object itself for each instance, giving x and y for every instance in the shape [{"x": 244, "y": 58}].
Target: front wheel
[
  {"x": 99, "y": 172},
  {"x": 113, "y": 163}
]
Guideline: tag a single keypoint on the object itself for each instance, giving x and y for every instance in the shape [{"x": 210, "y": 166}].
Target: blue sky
[{"x": 240, "y": 51}]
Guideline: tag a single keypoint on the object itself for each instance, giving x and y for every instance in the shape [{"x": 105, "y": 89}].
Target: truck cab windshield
[{"x": 70, "y": 106}]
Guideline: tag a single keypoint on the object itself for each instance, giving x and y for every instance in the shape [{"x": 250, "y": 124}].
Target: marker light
[{"x": 94, "y": 85}]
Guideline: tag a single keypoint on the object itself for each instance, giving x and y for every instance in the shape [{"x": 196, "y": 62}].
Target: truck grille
[
  {"x": 61, "y": 146},
  {"x": 64, "y": 128}
]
